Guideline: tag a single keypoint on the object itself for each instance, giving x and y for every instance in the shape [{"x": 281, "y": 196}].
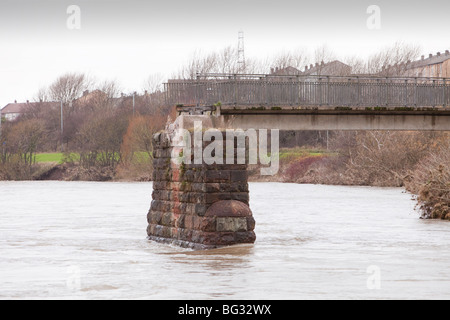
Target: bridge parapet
[{"x": 320, "y": 91}]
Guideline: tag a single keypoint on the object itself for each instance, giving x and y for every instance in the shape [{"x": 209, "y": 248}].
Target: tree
[
  {"x": 225, "y": 61},
  {"x": 392, "y": 61},
  {"x": 431, "y": 182},
  {"x": 383, "y": 158},
  {"x": 23, "y": 139},
  {"x": 99, "y": 139},
  {"x": 295, "y": 58},
  {"x": 154, "y": 83},
  {"x": 69, "y": 87}
]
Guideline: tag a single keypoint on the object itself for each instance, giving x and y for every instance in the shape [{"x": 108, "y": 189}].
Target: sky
[{"x": 129, "y": 40}]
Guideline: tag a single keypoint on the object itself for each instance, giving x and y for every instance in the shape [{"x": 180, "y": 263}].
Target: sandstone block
[{"x": 231, "y": 224}]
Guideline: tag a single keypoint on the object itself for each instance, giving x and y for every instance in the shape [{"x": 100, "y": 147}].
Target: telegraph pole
[
  {"x": 134, "y": 102},
  {"x": 62, "y": 127},
  {"x": 2, "y": 144}
]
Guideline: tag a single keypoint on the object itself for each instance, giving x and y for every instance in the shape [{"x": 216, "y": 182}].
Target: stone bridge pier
[{"x": 195, "y": 204}]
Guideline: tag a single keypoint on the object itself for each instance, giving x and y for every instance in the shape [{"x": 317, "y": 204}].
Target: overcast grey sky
[{"x": 127, "y": 40}]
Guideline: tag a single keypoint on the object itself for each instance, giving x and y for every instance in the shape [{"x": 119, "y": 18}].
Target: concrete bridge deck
[
  {"x": 400, "y": 119},
  {"x": 317, "y": 102}
]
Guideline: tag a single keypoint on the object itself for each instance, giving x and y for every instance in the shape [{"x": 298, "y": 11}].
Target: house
[
  {"x": 288, "y": 71},
  {"x": 333, "y": 68},
  {"x": 14, "y": 110},
  {"x": 435, "y": 66}
]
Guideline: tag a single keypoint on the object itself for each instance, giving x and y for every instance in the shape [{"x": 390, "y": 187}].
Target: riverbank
[{"x": 427, "y": 176}]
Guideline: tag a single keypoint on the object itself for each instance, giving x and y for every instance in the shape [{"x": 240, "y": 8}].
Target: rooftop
[
  {"x": 16, "y": 107},
  {"x": 423, "y": 62}
]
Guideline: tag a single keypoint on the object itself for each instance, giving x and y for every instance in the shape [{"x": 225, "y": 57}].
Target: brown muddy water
[{"x": 80, "y": 240}]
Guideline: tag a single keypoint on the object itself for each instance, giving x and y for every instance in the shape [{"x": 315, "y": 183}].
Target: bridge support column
[{"x": 197, "y": 206}]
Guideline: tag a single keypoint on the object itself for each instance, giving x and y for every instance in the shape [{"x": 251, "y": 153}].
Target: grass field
[
  {"x": 49, "y": 157},
  {"x": 298, "y": 153},
  {"x": 285, "y": 154},
  {"x": 56, "y": 157}
]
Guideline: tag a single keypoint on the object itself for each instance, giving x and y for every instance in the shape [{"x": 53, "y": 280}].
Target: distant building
[
  {"x": 288, "y": 71},
  {"x": 333, "y": 68},
  {"x": 14, "y": 110},
  {"x": 435, "y": 66}
]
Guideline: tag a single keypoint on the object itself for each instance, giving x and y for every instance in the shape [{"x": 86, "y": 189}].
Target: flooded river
[{"x": 79, "y": 240}]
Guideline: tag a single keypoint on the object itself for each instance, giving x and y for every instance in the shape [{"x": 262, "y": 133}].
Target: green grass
[
  {"x": 300, "y": 153},
  {"x": 56, "y": 157},
  {"x": 49, "y": 157},
  {"x": 295, "y": 154}
]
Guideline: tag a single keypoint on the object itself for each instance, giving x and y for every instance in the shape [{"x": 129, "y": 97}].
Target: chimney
[
  {"x": 28, "y": 101},
  {"x": 322, "y": 63},
  {"x": 438, "y": 54},
  {"x": 276, "y": 69},
  {"x": 317, "y": 64},
  {"x": 430, "y": 56},
  {"x": 423, "y": 57},
  {"x": 447, "y": 52},
  {"x": 272, "y": 71},
  {"x": 306, "y": 68},
  {"x": 15, "y": 101}
]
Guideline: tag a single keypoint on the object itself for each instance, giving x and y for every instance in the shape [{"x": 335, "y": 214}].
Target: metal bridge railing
[{"x": 333, "y": 91}]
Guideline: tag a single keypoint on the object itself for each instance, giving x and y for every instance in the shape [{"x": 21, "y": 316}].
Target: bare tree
[
  {"x": 69, "y": 87},
  {"x": 227, "y": 61},
  {"x": 323, "y": 55},
  {"x": 223, "y": 61},
  {"x": 110, "y": 88},
  {"x": 42, "y": 95},
  {"x": 154, "y": 83},
  {"x": 296, "y": 58},
  {"x": 392, "y": 61},
  {"x": 358, "y": 65}
]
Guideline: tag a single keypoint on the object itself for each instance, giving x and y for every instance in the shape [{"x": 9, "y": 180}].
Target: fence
[{"x": 262, "y": 90}]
